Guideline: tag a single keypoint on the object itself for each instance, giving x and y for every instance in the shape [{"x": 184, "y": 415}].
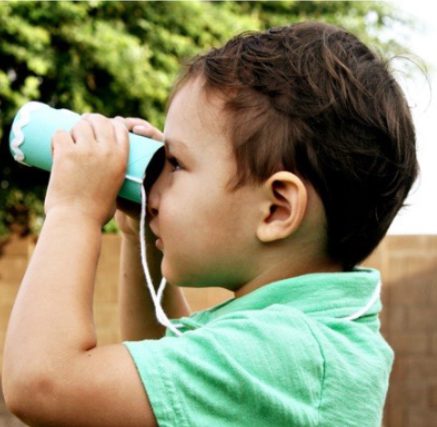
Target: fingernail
[{"x": 140, "y": 128}]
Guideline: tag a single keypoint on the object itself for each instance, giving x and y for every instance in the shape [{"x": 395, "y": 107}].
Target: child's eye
[{"x": 174, "y": 163}]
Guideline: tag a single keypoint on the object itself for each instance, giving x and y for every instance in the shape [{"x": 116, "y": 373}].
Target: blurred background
[{"x": 120, "y": 58}]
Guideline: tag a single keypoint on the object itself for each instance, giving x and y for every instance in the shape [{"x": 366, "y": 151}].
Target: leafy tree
[{"x": 120, "y": 58}]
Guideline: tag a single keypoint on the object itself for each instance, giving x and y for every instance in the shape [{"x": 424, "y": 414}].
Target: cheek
[
  {"x": 200, "y": 213},
  {"x": 178, "y": 223},
  {"x": 188, "y": 217},
  {"x": 203, "y": 241}
]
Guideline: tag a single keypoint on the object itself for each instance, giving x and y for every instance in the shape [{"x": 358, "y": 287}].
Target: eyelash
[{"x": 174, "y": 163}]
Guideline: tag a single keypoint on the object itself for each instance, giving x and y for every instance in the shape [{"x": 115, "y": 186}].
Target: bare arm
[
  {"x": 137, "y": 312},
  {"x": 53, "y": 372}
]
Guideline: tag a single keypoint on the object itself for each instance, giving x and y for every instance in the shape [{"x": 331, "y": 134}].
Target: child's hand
[
  {"x": 128, "y": 213},
  {"x": 89, "y": 165},
  {"x": 142, "y": 127}
]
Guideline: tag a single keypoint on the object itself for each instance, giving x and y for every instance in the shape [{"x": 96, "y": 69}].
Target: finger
[
  {"x": 148, "y": 131},
  {"x": 103, "y": 128},
  {"x": 131, "y": 122},
  {"x": 121, "y": 136},
  {"x": 61, "y": 140},
  {"x": 144, "y": 128},
  {"x": 119, "y": 215},
  {"x": 83, "y": 132},
  {"x": 121, "y": 120}
]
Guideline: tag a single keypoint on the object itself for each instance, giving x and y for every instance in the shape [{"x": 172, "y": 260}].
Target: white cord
[
  {"x": 134, "y": 179},
  {"x": 363, "y": 310},
  {"x": 156, "y": 297}
]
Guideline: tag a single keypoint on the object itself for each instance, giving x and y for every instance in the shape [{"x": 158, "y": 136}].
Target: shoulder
[
  {"x": 249, "y": 356},
  {"x": 276, "y": 323}
]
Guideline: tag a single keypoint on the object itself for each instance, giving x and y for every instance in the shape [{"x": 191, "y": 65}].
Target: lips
[
  {"x": 154, "y": 230},
  {"x": 158, "y": 242}
]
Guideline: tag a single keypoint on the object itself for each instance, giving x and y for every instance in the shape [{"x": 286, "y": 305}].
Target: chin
[
  {"x": 206, "y": 280},
  {"x": 177, "y": 278},
  {"x": 185, "y": 282}
]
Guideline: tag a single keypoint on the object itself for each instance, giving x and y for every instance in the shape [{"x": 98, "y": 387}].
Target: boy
[{"x": 289, "y": 153}]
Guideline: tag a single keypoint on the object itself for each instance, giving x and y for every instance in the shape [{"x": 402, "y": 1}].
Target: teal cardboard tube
[{"x": 31, "y": 135}]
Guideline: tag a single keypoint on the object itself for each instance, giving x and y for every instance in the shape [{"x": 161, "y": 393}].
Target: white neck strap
[
  {"x": 362, "y": 311},
  {"x": 156, "y": 296}
]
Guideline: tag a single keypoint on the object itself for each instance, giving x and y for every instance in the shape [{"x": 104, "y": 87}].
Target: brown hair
[{"x": 312, "y": 99}]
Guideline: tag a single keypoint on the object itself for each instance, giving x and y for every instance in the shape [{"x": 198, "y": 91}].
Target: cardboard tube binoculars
[{"x": 30, "y": 142}]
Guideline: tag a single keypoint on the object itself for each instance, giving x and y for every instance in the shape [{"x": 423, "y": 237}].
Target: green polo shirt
[{"x": 283, "y": 355}]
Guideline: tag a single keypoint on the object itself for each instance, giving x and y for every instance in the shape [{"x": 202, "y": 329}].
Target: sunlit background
[{"x": 420, "y": 216}]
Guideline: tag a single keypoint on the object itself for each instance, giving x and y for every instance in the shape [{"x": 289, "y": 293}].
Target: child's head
[{"x": 312, "y": 99}]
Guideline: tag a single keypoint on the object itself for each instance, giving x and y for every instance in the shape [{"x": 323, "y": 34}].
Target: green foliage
[
  {"x": 21, "y": 212},
  {"x": 120, "y": 58}
]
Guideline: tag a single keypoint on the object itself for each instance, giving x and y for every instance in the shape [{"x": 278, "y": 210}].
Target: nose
[
  {"x": 153, "y": 199},
  {"x": 155, "y": 193},
  {"x": 152, "y": 211},
  {"x": 154, "y": 174}
]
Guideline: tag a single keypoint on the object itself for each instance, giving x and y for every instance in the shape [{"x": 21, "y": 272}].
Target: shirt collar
[{"x": 337, "y": 295}]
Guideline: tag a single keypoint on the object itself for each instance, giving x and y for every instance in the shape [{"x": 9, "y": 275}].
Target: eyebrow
[{"x": 170, "y": 143}]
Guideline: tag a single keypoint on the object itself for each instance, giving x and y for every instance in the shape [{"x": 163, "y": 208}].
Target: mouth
[
  {"x": 159, "y": 244},
  {"x": 153, "y": 230}
]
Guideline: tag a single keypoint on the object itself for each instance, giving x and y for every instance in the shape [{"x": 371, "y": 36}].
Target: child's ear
[{"x": 285, "y": 202}]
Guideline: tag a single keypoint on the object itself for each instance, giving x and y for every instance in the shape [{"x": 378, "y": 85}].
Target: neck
[{"x": 286, "y": 269}]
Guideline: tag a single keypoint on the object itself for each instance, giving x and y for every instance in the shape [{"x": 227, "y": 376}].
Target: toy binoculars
[{"x": 35, "y": 124}]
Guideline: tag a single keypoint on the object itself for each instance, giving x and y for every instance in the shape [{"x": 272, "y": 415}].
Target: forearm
[
  {"x": 52, "y": 318},
  {"x": 137, "y": 312}
]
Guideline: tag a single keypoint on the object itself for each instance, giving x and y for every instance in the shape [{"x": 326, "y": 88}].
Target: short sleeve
[{"x": 238, "y": 370}]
